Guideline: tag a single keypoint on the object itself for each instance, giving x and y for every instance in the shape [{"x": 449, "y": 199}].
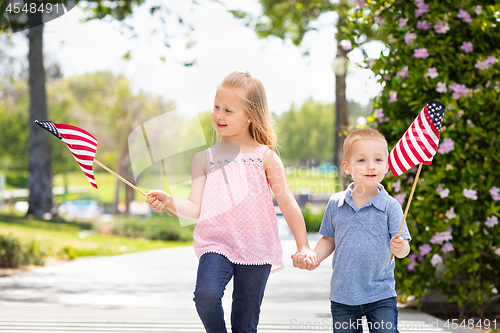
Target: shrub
[
  {"x": 13, "y": 254},
  {"x": 448, "y": 51},
  {"x": 312, "y": 220}
]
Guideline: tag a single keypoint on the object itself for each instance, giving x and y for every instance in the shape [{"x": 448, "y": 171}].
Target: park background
[{"x": 135, "y": 60}]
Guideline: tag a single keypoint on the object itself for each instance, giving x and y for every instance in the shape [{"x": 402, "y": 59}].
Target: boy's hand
[
  {"x": 398, "y": 246},
  {"x": 157, "y": 200}
]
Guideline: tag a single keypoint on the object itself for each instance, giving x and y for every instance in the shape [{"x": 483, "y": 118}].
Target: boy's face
[{"x": 368, "y": 162}]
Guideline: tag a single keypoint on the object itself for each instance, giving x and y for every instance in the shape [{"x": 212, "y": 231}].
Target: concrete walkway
[{"x": 152, "y": 292}]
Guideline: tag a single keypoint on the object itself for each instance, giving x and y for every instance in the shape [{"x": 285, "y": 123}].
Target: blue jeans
[
  {"x": 382, "y": 317},
  {"x": 214, "y": 273}
]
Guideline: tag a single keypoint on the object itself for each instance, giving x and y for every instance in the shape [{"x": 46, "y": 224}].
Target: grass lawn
[{"x": 65, "y": 240}]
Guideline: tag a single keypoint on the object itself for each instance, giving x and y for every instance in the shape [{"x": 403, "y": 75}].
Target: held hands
[
  {"x": 307, "y": 259},
  {"x": 158, "y": 199}
]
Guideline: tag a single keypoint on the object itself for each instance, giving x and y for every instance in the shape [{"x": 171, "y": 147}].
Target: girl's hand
[
  {"x": 299, "y": 260},
  {"x": 158, "y": 200}
]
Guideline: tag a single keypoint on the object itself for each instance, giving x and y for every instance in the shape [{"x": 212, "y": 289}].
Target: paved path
[{"x": 152, "y": 292}]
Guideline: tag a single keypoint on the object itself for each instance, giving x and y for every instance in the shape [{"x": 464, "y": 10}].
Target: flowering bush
[{"x": 448, "y": 51}]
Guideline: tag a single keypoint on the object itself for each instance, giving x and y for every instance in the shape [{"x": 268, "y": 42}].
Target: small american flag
[
  {"x": 82, "y": 145},
  {"x": 420, "y": 142}
]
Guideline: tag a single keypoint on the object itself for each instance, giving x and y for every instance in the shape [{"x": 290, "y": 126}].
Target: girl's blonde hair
[
  {"x": 362, "y": 134},
  {"x": 255, "y": 101}
]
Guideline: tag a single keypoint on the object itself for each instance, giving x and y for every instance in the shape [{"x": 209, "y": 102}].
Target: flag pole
[
  {"x": 131, "y": 185},
  {"x": 409, "y": 202}
]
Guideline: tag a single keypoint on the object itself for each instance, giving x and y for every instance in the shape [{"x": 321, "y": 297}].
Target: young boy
[{"x": 361, "y": 225}]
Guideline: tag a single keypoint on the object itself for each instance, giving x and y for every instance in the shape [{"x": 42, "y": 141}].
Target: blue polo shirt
[{"x": 362, "y": 268}]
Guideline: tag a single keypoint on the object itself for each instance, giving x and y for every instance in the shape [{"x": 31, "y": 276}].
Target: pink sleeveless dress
[{"x": 237, "y": 218}]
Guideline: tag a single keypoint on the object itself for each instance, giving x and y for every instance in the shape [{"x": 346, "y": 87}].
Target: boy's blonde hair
[
  {"x": 255, "y": 101},
  {"x": 362, "y": 134}
]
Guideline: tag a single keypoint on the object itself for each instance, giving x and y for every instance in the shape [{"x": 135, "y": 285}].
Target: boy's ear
[{"x": 346, "y": 167}]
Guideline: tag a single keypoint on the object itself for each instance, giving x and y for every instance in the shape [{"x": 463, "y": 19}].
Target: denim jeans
[
  {"x": 382, "y": 317},
  {"x": 214, "y": 273}
]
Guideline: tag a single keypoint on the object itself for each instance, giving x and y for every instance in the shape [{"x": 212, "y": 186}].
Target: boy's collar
[{"x": 379, "y": 201}]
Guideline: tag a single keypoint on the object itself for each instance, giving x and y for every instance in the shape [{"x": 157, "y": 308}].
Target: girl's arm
[
  {"x": 291, "y": 212},
  {"x": 190, "y": 208}
]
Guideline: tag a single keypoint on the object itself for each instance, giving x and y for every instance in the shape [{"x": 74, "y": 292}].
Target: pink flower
[
  {"x": 361, "y": 3},
  {"x": 421, "y": 53},
  {"x": 441, "y": 237},
  {"x": 425, "y": 249},
  {"x": 403, "y": 72},
  {"x": 422, "y": 8},
  {"x": 441, "y": 87},
  {"x": 403, "y": 22},
  {"x": 379, "y": 113},
  {"x": 482, "y": 65},
  {"x": 392, "y": 96},
  {"x": 450, "y": 213},
  {"x": 410, "y": 267},
  {"x": 497, "y": 251},
  {"x": 346, "y": 44},
  {"x": 436, "y": 259},
  {"x": 410, "y": 37},
  {"x": 470, "y": 194},
  {"x": 495, "y": 193},
  {"x": 423, "y": 25},
  {"x": 443, "y": 193},
  {"x": 478, "y": 10},
  {"x": 397, "y": 186},
  {"x": 441, "y": 28},
  {"x": 400, "y": 198},
  {"x": 447, "y": 247},
  {"x": 446, "y": 146},
  {"x": 414, "y": 257},
  {"x": 432, "y": 73},
  {"x": 464, "y": 16},
  {"x": 490, "y": 60},
  {"x": 467, "y": 47},
  {"x": 491, "y": 221}
]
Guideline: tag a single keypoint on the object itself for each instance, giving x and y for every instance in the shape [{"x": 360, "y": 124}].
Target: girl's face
[
  {"x": 368, "y": 162},
  {"x": 229, "y": 116}
]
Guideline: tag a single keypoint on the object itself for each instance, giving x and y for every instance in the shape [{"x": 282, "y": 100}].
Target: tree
[
  {"x": 303, "y": 130},
  {"x": 447, "y": 51}
]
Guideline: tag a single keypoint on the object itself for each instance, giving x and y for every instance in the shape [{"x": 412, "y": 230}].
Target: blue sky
[{"x": 224, "y": 44}]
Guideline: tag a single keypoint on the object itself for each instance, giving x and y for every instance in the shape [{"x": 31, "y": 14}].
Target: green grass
[
  {"x": 60, "y": 238},
  {"x": 312, "y": 181}
]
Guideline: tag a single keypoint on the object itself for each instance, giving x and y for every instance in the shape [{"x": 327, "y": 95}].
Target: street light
[{"x": 339, "y": 66}]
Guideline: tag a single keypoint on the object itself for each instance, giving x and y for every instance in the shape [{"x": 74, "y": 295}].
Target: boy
[{"x": 358, "y": 224}]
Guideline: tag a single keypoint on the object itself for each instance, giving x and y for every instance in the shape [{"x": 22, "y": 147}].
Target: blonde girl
[{"x": 236, "y": 235}]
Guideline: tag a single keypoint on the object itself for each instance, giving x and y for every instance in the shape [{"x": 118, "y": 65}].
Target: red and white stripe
[
  {"x": 82, "y": 145},
  {"x": 418, "y": 145}
]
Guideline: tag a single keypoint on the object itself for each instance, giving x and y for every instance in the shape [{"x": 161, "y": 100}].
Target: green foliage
[
  {"x": 469, "y": 272},
  {"x": 13, "y": 254},
  {"x": 286, "y": 19},
  {"x": 305, "y": 132},
  {"x": 313, "y": 219}
]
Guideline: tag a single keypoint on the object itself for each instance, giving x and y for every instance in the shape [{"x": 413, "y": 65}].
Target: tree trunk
[
  {"x": 341, "y": 120},
  {"x": 40, "y": 178}
]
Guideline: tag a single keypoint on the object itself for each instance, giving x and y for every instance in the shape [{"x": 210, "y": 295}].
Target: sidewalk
[{"x": 152, "y": 292}]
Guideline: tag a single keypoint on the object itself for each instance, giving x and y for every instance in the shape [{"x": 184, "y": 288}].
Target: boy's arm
[{"x": 190, "y": 208}]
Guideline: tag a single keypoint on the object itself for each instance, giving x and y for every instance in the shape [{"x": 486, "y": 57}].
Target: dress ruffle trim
[{"x": 273, "y": 270}]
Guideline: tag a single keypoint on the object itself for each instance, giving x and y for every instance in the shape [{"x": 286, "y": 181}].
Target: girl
[{"x": 237, "y": 232}]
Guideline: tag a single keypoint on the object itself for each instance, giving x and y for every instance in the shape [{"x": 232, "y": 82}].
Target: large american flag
[
  {"x": 82, "y": 145},
  {"x": 420, "y": 142}
]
